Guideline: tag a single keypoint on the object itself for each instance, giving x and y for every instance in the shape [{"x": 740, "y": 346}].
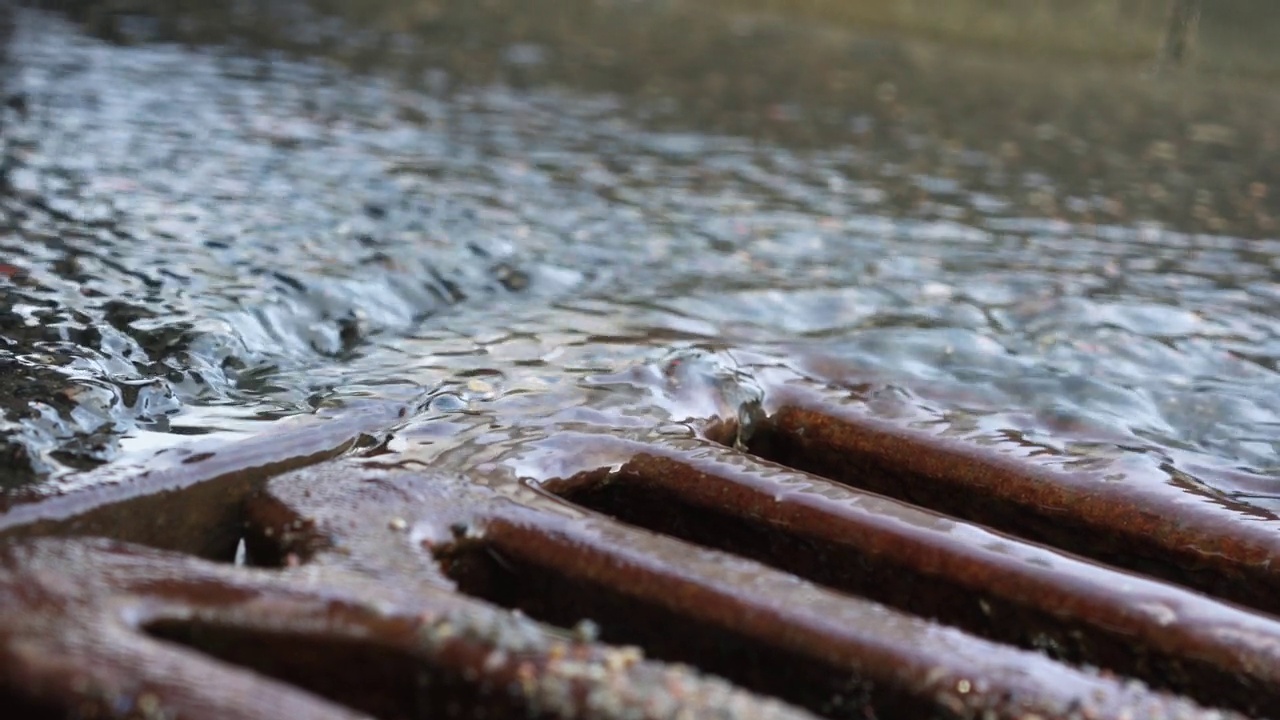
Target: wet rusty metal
[
  {"x": 844, "y": 602},
  {"x": 765, "y": 629},
  {"x": 95, "y": 629},
  {"x": 935, "y": 566},
  {"x": 193, "y": 502},
  {"x": 1145, "y": 524}
]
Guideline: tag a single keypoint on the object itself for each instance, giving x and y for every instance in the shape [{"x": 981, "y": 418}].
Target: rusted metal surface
[
  {"x": 96, "y": 629},
  {"x": 989, "y": 583},
  {"x": 193, "y": 503},
  {"x": 535, "y": 582},
  {"x": 768, "y": 630},
  {"x": 1148, "y": 524}
]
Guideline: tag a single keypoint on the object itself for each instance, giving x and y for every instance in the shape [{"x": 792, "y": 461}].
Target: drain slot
[
  {"x": 845, "y": 568},
  {"x": 787, "y": 444},
  {"x": 939, "y": 568},
  {"x": 384, "y": 682},
  {"x": 1151, "y": 529},
  {"x": 545, "y": 593},
  {"x": 20, "y": 706},
  {"x": 633, "y": 499},
  {"x": 368, "y": 612},
  {"x": 142, "y": 630}
]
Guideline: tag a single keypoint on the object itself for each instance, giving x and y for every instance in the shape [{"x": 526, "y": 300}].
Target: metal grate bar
[
  {"x": 838, "y": 655},
  {"x": 962, "y": 574},
  {"x": 1180, "y": 534},
  {"x": 914, "y": 578},
  {"x": 106, "y": 645}
]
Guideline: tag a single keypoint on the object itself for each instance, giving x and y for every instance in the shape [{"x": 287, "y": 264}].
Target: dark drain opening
[
  {"x": 18, "y": 704},
  {"x": 388, "y": 683},
  {"x": 546, "y": 594},
  {"x": 847, "y": 567},
  {"x": 809, "y": 441},
  {"x": 780, "y": 444}
]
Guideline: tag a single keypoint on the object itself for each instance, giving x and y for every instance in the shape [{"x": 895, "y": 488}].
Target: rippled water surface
[{"x": 510, "y": 231}]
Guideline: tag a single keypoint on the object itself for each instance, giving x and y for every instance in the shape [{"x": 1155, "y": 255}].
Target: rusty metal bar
[
  {"x": 1146, "y": 523},
  {"x": 965, "y": 575},
  {"x": 190, "y": 502},
  {"x": 770, "y": 631},
  {"x": 94, "y": 628}
]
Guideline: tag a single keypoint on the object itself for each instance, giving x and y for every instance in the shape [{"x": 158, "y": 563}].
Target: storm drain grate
[{"x": 841, "y": 566}]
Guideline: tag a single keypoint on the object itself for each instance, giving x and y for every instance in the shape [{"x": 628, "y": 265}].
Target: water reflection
[{"x": 489, "y": 207}]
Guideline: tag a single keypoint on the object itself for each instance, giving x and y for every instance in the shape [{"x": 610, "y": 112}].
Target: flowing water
[{"x": 517, "y": 217}]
